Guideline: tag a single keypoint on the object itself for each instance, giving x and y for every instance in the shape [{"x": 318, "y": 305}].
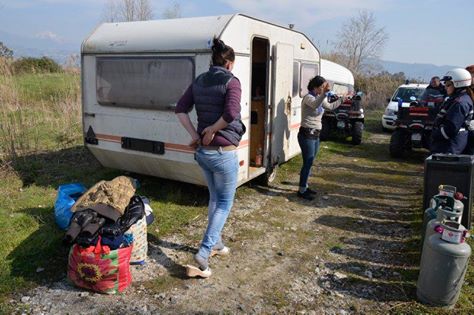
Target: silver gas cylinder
[{"x": 442, "y": 270}]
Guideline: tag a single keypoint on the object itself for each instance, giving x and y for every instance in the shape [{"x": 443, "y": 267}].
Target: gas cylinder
[
  {"x": 446, "y": 197},
  {"x": 443, "y": 214},
  {"x": 440, "y": 202},
  {"x": 442, "y": 270},
  {"x": 430, "y": 213},
  {"x": 259, "y": 157}
]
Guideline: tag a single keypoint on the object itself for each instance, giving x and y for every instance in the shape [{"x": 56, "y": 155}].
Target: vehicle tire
[
  {"x": 325, "y": 129},
  {"x": 268, "y": 177},
  {"x": 357, "y": 129},
  {"x": 385, "y": 129},
  {"x": 397, "y": 143}
]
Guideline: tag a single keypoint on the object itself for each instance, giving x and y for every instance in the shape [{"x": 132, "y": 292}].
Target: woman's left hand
[{"x": 208, "y": 134}]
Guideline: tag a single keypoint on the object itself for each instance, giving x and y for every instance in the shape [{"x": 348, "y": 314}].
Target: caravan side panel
[{"x": 110, "y": 124}]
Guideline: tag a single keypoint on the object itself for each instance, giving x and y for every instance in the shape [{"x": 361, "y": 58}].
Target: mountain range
[
  {"x": 418, "y": 71},
  {"x": 61, "y": 50}
]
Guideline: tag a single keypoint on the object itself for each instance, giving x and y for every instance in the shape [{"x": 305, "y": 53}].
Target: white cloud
[
  {"x": 305, "y": 13},
  {"x": 49, "y": 35}
]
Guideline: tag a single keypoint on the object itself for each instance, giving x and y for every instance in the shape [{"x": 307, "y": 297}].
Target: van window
[
  {"x": 341, "y": 89},
  {"x": 406, "y": 93},
  {"x": 143, "y": 82},
  {"x": 296, "y": 75},
  {"x": 308, "y": 71}
]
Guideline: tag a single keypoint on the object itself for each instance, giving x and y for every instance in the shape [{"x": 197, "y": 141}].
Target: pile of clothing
[{"x": 107, "y": 233}]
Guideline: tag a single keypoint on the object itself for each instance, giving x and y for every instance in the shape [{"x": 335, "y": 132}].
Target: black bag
[{"x": 134, "y": 212}]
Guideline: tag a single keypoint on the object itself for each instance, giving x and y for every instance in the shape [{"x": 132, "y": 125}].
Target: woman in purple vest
[{"x": 216, "y": 96}]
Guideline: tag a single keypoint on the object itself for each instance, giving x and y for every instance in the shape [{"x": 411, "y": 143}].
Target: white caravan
[
  {"x": 341, "y": 78},
  {"x": 133, "y": 74}
]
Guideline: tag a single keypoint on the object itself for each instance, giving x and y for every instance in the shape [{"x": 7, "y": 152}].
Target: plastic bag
[
  {"x": 100, "y": 270},
  {"x": 67, "y": 196}
]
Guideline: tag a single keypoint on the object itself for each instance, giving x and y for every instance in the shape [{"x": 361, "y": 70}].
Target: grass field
[{"x": 41, "y": 149}]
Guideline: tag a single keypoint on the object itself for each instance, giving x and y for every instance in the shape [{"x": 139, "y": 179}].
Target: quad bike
[
  {"x": 415, "y": 122},
  {"x": 347, "y": 119}
]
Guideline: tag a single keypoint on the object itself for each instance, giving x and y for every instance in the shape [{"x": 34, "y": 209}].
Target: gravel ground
[{"x": 343, "y": 253}]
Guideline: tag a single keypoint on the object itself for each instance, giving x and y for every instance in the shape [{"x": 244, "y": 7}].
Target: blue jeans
[
  {"x": 220, "y": 169},
  {"x": 309, "y": 151}
]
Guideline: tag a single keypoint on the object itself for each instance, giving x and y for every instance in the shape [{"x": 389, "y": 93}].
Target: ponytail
[
  {"x": 221, "y": 53},
  {"x": 470, "y": 92}
]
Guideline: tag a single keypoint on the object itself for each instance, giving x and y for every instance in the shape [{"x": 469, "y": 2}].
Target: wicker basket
[{"x": 140, "y": 242}]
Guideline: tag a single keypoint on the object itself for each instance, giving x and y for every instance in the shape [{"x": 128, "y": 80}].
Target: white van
[
  {"x": 341, "y": 78},
  {"x": 133, "y": 74},
  {"x": 403, "y": 92}
]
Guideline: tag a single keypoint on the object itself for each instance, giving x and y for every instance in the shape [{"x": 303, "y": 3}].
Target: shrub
[
  {"x": 377, "y": 88},
  {"x": 36, "y": 65}
]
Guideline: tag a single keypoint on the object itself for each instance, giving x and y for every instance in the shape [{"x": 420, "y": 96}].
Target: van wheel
[
  {"x": 357, "y": 129},
  {"x": 397, "y": 143},
  {"x": 268, "y": 177}
]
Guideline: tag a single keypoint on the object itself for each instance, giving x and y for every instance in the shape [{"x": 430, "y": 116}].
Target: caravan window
[
  {"x": 143, "y": 82},
  {"x": 296, "y": 75},
  {"x": 308, "y": 71}
]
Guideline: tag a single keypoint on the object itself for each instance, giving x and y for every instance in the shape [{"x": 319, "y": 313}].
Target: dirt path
[{"x": 350, "y": 251}]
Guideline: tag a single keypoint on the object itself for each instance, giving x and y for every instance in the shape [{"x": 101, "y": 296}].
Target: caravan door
[{"x": 281, "y": 102}]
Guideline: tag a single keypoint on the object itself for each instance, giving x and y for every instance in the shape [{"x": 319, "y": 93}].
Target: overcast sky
[{"x": 420, "y": 31}]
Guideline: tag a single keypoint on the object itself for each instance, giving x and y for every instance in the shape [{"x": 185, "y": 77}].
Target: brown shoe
[
  {"x": 193, "y": 271},
  {"x": 224, "y": 251}
]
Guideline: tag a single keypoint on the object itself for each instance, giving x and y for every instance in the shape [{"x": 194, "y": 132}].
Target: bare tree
[
  {"x": 172, "y": 12},
  {"x": 359, "y": 42},
  {"x": 145, "y": 11},
  {"x": 127, "y": 10}
]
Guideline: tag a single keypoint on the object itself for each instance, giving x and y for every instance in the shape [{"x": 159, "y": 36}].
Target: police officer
[
  {"x": 450, "y": 127},
  {"x": 470, "y": 142}
]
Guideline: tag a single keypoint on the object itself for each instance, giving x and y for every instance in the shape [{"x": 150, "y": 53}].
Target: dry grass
[{"x": 32, "y": 119}]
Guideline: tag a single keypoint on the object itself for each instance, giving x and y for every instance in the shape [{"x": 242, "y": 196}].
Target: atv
[
  {"x": 347, "y": 119},
  {"x": 415, "y": 122}
]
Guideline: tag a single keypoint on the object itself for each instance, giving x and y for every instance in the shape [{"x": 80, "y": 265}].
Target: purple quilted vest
[{"x": 209, "y": 91}]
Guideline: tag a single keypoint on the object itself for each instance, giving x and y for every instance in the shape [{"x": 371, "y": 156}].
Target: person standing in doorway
[
  {"x": 216, "y": 95},
  {"x": 312, "y": 109}
]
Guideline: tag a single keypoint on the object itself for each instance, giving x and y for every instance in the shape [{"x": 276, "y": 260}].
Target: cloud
[
  {"x": 305, "y": 13},
  {"x": 49, "y": 35}
]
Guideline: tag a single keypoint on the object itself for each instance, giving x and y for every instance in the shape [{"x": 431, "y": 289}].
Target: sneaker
[
  {"x": 193, "y": 271},
  {"x": 220, "y": 252},
  {"x": 313, "y": 192},
  {"x": 306, "y": 195}
]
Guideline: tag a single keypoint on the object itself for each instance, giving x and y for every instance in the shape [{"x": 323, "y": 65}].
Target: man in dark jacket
[{"x": 435, "y": 84}]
